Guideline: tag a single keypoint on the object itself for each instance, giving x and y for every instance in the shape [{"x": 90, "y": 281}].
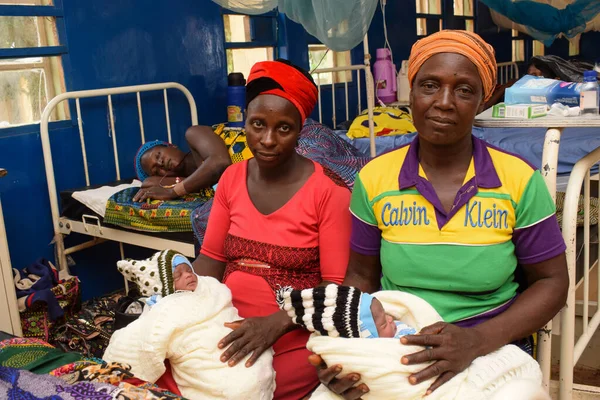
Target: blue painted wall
[
  {"x": 112, "y": 43},
  {"x": 127, "y": 42}
]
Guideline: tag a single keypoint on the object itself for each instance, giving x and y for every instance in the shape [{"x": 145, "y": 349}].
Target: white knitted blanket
[
  {"x": 185, "y": 328},
  {"x": 378, "y": 361}
]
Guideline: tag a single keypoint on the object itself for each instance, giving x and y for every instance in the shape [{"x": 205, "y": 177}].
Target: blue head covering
[
  {"x": 138, "y": 157},
  {"x": 366, "y": 323}
]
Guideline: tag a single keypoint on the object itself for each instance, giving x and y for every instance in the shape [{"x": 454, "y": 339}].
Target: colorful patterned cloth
[
  {"x": 116, "y": 374},
  {"x": 36, "y": 321},
  {"x": 33, "y": 355},
  {"x": 387, "y": 121},
  {"x": 235, "y": 140},
  {"x": 18, "y": 384},
  {"x": 154, "y": 215}
]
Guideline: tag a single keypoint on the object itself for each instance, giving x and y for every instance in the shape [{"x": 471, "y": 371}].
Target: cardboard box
[{"x": 519, "y": 111}]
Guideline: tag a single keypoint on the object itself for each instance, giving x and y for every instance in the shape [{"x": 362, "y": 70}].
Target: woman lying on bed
[
  {"x": 167, "y": 172},
  {"x": 448, "y": 218}
]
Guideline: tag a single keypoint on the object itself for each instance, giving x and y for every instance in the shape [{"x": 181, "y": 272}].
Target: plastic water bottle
[
  {"x": 590, "y": 94},
  {"x": 403, "y": 85},
  {"x": 236, "y": 99},
  {"x": 385, "y": 76}
]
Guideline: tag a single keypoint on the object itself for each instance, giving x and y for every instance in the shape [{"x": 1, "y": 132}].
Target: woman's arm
[
  {"x": 152, "y": 181},
  {"x": 364, "y": 272},
  {"x": 211, "y": 261},
  {"x": 453, "y": 349},
  {"x": 214, "y": 154}
]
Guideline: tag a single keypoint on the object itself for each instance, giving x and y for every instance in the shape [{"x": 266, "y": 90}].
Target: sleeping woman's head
[
  {"x": 279, "y": 96},
  {"x": 158, "y": 158}
]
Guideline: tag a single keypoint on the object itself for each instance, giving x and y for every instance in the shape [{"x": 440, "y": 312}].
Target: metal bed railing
[
  {"x": 49, "y": 166},
  {"x": 571, "y": 348},
  {"x": 507, "y": 71},
  {"x": 370, "y": 92}
]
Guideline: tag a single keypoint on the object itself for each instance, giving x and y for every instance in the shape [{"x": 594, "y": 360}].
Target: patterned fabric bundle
[
  {"x": 332, "y": 310},
  {"x": 320, "y": 144},
  {"x": 33, "y": 355},
  {"x": 18, "y": 384},
  {"x": 235, "y": 140},
  {"x": 387, "y": 121},
  {"x": 154, "y": 215}
]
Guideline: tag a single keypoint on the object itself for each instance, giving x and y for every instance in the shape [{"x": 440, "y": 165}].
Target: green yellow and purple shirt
[{"x": 463, "y": 261}]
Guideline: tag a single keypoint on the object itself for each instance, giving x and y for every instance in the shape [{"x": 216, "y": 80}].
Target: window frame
[
  {"x": 49, "y": 55},
  {"x": 253, "y": 44},
  {"x": 446, "y": 17}
]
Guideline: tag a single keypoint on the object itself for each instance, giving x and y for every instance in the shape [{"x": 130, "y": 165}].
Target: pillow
[
  {"x": 95, "y": 199},
  {"x": 387, "y": 120}
]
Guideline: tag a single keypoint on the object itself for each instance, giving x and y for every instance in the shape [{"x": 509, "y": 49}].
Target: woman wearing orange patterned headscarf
[
  {"x": 277, "y": 220},
  {"x": 448, "y": 218}
]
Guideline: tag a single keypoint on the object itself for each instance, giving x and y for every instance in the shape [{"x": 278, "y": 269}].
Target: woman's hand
[
  {"x": 343, "y": 386},
  {"x": 155, "y": 193},
  {"x": 253, "y": 336},
  {"x": 452, "y": 349}
]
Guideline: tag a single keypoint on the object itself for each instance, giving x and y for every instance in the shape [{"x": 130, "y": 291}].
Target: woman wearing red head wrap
[{"x": 278, "y": 219}]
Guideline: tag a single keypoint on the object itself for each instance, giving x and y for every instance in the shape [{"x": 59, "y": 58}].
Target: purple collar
[{"x": 485, "y": 174}]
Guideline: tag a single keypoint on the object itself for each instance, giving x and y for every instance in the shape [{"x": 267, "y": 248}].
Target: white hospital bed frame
[
  {"x": 90, "y": 225},
  {"x": 370, "y": 91},
  {"x": 571, "y": 348}
]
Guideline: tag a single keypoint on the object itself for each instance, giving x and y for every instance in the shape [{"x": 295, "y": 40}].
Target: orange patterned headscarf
[{"x": 466, "y": 43}]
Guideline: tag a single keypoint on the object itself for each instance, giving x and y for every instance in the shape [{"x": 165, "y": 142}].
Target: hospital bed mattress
[
  {"x": 525, "y": 142},
  {"x": 74, "y": 210}
]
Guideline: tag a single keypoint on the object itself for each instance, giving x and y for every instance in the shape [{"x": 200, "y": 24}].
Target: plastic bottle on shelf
[
  {"x": 385, "y": 76},
  {"x": 402, "y": 84},
  {"x": 236, "y": 99},
  {"x": 590, "y": 94}
]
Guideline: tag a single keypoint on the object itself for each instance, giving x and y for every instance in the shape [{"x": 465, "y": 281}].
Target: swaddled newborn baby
[
  {"x": 342, "y": 317},
  {"x": 184, "y": 324},
  {"x": 341, "y": 311}
]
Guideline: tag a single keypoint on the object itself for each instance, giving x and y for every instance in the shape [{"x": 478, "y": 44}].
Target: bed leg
[
  {"x": 61, "y": 257},
  {"x": 548, "y": 170},
  {"x": 122, "y": 250}
]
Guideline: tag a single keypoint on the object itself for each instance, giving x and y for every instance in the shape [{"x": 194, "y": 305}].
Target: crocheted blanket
[
  {"x": 377, "y": 360},
  {"x": 154, "y": 215},
  {"x": 185, "y": 328}
]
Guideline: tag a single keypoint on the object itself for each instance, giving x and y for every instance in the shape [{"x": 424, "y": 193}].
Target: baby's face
[
  {"x": 184, "y": 278},
  {"x": 386, "y": 328}
]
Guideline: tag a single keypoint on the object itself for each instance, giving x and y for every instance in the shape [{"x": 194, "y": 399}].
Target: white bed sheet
[{"x": 95, "y": 199}]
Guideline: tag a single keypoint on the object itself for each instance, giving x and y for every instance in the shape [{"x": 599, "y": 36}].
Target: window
[
  {"x": 538, "y": 48},
  {"x": 464, "y": 15},
  {"x": 30, "y": 64},
  {"x": 518, "y": 47},
  {"x": 248, "y": 40},
  {"x": 429, "y": 17},
  {"x": 574, "y": 46},
  {"x": 320, "y": 57},
  {"x": 435, "y": 15}
]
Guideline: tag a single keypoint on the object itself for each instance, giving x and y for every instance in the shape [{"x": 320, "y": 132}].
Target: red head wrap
[{"x": 293, "y": 85}]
